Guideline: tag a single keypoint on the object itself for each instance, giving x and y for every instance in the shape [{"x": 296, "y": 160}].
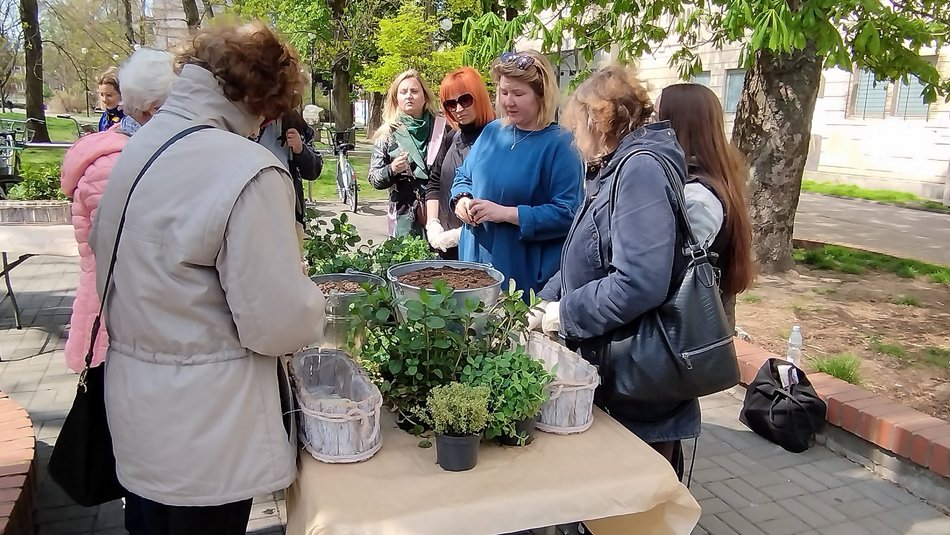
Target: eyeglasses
[
  {"x": 522, "y": 61},
  {"x": 465, "y": 101}
]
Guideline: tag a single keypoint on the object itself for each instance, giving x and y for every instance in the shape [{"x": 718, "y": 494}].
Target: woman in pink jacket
[{"x": 146, "y": 79}]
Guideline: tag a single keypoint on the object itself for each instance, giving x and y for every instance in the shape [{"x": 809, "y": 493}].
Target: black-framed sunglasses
[
  {"x": 522, "y": 61},
  {"x": 465, "y": 101}
]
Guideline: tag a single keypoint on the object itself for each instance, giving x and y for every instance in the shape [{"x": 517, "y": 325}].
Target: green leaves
[
  {"x": 517, "y": 383},
  {"x": 334, "y": 247},
  {"x": 874, "y": 34},
  {"x": 40, "y": 183},
  {"x": 406, "y": 41}
]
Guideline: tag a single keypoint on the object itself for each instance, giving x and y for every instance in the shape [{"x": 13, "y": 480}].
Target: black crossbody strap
[
  {"x": 118, "y": 235},
  {"x": 691, "y": 242}
]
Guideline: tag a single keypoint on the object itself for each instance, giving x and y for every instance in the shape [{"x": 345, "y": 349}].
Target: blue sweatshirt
[{"x": 542, "y": 175}]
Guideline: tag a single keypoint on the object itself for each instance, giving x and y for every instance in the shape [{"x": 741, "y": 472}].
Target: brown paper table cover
[{"x": 605, "y": 473}]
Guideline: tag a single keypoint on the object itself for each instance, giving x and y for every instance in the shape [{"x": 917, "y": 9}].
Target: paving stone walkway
[{"x": 745, "y": 485}]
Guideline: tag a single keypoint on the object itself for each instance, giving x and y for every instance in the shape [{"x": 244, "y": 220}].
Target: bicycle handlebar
[{"x": 27, "y": 121}]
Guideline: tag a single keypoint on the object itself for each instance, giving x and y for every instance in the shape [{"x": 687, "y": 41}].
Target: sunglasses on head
[
  {"x": 465, "y": 101},
  {"x": 521, "y": 61}
]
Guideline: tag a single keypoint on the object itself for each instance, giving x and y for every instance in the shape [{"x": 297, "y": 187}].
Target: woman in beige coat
[{"x": 207, "y": 292}]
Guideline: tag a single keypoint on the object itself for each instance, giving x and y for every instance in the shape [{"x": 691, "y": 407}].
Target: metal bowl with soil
[
  {"x": 470, "y": 280},
  {"x": 341, "y": 290}
]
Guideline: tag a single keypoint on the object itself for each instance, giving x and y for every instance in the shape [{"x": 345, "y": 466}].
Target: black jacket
[{"x": 455, "y": 147}]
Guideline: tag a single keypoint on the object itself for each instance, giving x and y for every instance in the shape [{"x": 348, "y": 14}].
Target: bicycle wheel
[
  {"x": 352, "y": 193},
  {"x": 341, "y": 181}
]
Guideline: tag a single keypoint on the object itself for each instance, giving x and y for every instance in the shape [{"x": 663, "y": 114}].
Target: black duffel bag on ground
[{"x": 789, "y": 417}]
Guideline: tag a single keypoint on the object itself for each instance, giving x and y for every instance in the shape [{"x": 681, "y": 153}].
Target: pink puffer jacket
[{"x": 86, "y": 169}]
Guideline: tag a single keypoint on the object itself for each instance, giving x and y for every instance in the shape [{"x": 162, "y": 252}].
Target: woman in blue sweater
[{"x": 519, "y": 188}]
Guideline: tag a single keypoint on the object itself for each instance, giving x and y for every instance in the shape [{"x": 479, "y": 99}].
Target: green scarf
[
  {"x": 418, "y": 129},
  {"x": 413, "y": 137}
]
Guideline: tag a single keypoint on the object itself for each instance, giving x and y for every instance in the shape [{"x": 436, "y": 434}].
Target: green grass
[
  {"x": 937, "y": 356},
  {"x": 887, "y": 196},
  {"x": 324, "y": 187},
  {"x": 844, "y": 366},
  {"x": 906, "y": 300},
  {"x": 751, "y": 298},
  {"x": 892, "y": 350},
  {"x": 62, "y": 130},
  {"x": 856, "y": 262}
]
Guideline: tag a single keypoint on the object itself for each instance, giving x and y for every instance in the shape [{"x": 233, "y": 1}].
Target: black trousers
[{"x": 145, "y": 517}]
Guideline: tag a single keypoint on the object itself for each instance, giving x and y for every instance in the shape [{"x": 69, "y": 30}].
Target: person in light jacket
[
  {"x": 618, "y": 264},
  {"x": 207, "y": 292},
  {"x": 147, "y": 75},
  {"x": 404, "y": 149},
  {"x": 467, "y": 108}
]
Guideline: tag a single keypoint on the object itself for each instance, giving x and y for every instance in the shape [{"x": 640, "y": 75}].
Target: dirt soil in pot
[
  {"x": 456, "y": 278},
  {"x": 339, "y": 287}
]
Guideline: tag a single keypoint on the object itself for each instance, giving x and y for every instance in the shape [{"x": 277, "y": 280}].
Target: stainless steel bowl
[
  {"x": 339, "y": 323},
  {"x": 487, "y": 295}
]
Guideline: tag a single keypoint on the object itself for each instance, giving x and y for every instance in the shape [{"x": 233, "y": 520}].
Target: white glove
[
  {"x": 551, "y": 322},
  {"x": 535, "y": 316},
  {"x": 450, "y": 238},
  {"x": 434, "y": 233}
]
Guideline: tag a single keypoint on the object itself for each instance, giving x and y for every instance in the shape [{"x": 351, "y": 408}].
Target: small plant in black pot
[{"x": 459, "y": 414}]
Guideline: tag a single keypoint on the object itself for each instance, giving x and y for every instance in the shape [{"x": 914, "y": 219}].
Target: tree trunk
[
  {"x": 209, "y": 9},
  {"x": 33, "y": 44},
  {"x": 375, "y": 113},
  {"x": 773, "y": 130},
  {"x": 127, "y": 22},
  {"x": 342, "y": 107},
  {"x": 191, "y": 15}
]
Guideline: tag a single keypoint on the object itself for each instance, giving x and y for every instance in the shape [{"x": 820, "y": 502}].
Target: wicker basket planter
[
  {"x": 339, "y": 406},
  {"x": 35, "y": 212},
  {"x": 570, "y": 407}
]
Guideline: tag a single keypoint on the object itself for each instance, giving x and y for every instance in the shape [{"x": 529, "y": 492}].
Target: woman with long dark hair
[{"x": 715, "y": 193}]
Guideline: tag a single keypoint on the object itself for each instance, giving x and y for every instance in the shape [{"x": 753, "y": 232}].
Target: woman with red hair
[{"x": 468, "y": 108}]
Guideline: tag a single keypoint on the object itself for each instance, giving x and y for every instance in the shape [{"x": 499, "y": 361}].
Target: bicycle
[
  {"x": 13, "y": 140},
  {"x": 81, "y": 129},
  {"x": 346, "y": 186}
]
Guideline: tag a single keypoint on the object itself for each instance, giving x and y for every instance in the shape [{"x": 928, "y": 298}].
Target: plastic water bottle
[{"x": 795, "y": 344}]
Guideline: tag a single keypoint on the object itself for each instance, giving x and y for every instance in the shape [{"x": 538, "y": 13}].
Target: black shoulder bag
[
  {"x": 683, "y": 349},
  {"x": 82, "y": 461}
]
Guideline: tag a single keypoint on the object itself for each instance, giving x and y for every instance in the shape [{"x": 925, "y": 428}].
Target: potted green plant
[
  {"x": 459, "y": 414},
  {"x": 408, "y": 359},
  {"x": 517, "y": 383},
  {"x": 36, "y": 198}
]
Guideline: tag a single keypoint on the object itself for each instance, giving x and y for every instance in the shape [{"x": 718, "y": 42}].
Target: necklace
[{"x": 515, "y": 140}]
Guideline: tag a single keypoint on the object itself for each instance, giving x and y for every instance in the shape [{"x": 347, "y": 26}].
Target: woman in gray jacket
[
  {"x": 618, "y": 262},
  {"x": 207, "y": 292}
]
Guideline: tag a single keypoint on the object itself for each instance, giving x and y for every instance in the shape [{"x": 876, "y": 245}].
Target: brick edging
[
  {"x": 891, "y": 425},
  {"x": 17, "y": 476}
]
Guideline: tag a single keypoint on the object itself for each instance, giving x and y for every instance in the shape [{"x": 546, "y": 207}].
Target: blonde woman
[
  {"x": 519, "y": 187},
  {"x": 404, "y": 149},
  {"x": 618, "y": 261}
]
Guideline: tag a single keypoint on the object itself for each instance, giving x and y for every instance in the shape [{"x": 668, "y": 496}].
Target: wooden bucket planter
[
  {"x": 35, "y": 212},
  {"x": 339, "y": 406},
  {"x": 570, "y": 406}
]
